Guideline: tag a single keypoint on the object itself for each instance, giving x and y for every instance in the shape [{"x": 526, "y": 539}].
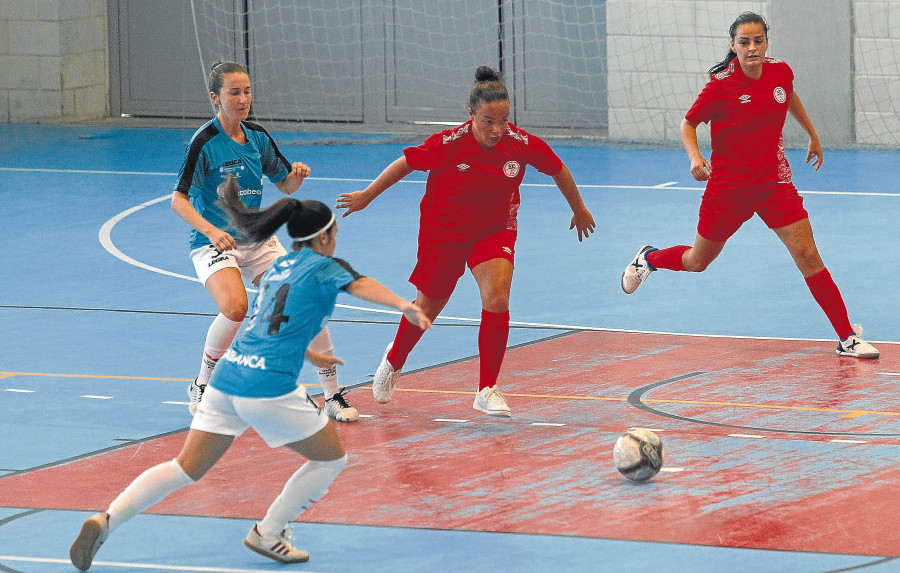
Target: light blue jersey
[
  {"x": 296, "y": 298},
  {"x": 212, "y": 156}
]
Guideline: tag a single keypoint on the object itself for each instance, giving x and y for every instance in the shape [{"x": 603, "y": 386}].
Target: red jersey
[
  {"x": 746, "y": 118},
  {"x": 473, "y": 191}
]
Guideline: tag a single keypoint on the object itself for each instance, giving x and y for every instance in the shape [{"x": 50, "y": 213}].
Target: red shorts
[
  {"x": 777, "y": 204},
  {"x": 440, "y": 265}
]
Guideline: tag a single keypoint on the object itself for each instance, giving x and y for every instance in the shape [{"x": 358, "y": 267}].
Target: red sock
[
  {"x": 492, "y": 337},
  {"x": 826, "y": 293},
  {"x": 408, "y": 334},
  {"x": 667, "y": 258}
]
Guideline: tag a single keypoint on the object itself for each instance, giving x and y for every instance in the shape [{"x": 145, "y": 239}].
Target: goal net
[{"x": 613, "y": 70}]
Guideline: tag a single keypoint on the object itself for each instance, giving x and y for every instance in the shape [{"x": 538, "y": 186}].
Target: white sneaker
[
  {"x": 385, "y": 380},
  {"x": 855, "y": 346},
  {"x": 490, "y": 401},
  {"x": 637, "y": 271},
  {"x": 93, "y": 534},
  {"x": 339, "y": 409},
  {"x": 278, "y": 548},
  {"x": 195, "y": 394}
]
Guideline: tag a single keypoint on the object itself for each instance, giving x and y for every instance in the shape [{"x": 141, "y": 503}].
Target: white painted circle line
[{"x": 106, "y": 241}]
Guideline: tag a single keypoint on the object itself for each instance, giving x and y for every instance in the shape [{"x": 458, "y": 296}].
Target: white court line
[
  {"x": 97, "y": 397},
  {"x": 106, "y": 240},
  {"x": 18, "y": 390},
  {"x": 849, "y": 441},
  {"x": 139, "y": 565},
  {"x": 454, "y": 420},
  {"x": 664, "y": 186},
  {"x": 754, "y": 436}
]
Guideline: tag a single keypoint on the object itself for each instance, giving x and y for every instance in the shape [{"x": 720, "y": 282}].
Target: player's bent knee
[{"x": 234, "y": 310}]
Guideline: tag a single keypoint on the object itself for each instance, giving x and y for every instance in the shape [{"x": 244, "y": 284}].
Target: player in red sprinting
[
  {"x": 746, "y": 102},
  {"x": 468, "y": 218}
]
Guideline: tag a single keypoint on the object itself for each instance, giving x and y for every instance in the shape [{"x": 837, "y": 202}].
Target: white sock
[
  {"x": 218, "y": 338},
  {"x": 308, "y": 485},
  {"x": 327, "y": 376},
  {"x": 147, "y": 490}
]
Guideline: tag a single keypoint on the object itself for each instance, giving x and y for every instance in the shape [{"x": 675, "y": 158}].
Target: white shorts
[
  {"x": 251, "y": 261},
  {"x": 282, "y": 420}
]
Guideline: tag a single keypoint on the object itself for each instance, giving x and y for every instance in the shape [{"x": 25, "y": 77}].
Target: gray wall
[{"x": 820, "y": 51}]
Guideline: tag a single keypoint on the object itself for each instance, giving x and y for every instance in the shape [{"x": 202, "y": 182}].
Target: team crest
[
  {"x": 780, "y": 95},
  {"x": 511, "y": 168}
]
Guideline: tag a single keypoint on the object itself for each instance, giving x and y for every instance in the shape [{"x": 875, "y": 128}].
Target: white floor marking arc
[{"x": 106, "y": 241}]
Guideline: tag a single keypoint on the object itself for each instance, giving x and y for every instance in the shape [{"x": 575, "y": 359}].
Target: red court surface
[{"x": 769, "y": 444}]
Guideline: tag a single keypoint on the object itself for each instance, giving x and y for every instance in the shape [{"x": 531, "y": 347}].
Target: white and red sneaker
[{"x": 278, "y": 548}]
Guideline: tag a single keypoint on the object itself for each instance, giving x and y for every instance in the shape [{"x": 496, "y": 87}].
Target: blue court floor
[{"x": 102, "y": 324}]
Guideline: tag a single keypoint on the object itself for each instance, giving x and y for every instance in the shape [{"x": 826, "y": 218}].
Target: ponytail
[
  {"x": 305, "y": 219},
  {"x": 723, "y": 64},
  {"x": 254, "y": 226}
]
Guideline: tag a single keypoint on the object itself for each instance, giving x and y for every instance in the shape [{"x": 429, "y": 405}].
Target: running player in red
[
  {"x": 468, "y": 218},
  {"x": 746, "y": 102}
]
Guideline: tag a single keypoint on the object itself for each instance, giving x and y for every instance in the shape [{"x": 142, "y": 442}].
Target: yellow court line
[
  {"x": 849, "y": 413},
  {"x": 6, "y": 374}
]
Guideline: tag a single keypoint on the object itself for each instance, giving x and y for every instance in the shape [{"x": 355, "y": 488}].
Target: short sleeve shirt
[
  {"x": 212, "y": 156},
  {"x": 746, "y": 118},
  {"x": 472, "y": 191},
  {"x": 295, "y": 300}
]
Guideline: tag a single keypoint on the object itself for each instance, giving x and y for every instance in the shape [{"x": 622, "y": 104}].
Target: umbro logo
[
  {"x": 745, "y": 98},
  {"x": 462, "y": 166},
  {"x": 507, "y": 250}
]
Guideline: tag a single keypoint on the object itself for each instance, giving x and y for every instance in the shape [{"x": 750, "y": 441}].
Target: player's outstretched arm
[
  {"x": 581, "y": 216},
  {"x": 320, "y": 360},
  {"x": 373, "y": 291},
  {"x": 359, "y": 200}
]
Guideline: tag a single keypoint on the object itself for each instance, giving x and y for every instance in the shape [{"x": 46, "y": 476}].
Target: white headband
[{"x": 308, "y": 237}]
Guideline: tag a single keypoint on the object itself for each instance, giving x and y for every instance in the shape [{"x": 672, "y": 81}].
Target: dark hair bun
[
  {"x": 217, "y": 64},
  {"x": 486, "y": 74}
]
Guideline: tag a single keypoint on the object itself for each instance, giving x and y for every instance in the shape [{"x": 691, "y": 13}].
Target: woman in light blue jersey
[
  {"x": 229, "y": 145},
  {"x": 255, "y": 384}
]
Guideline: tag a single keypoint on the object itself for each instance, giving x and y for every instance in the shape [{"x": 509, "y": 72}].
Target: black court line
[
  {"x": 863, "y": 565},
  {"x": 635, "y": 399},
  {"x": 80, "y": 457},
  {"x": 213, "y": 314}
]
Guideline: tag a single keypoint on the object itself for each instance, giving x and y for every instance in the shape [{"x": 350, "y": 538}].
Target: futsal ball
[{"x": 638, "y": 454}]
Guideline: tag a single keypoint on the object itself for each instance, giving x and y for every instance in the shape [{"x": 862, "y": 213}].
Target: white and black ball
[{"x": 638, "y": 454}]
